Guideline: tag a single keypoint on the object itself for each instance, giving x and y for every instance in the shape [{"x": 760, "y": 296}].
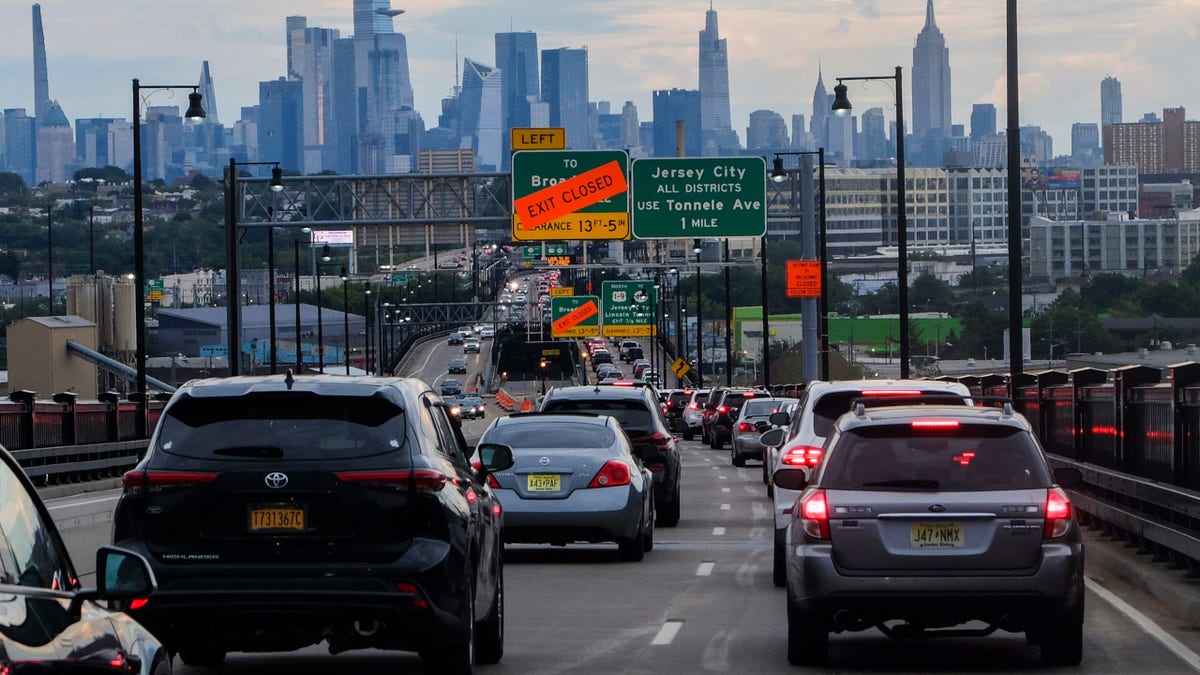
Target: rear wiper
[
  {"x": 911, "y": 483},
  {"x": 251, "y": 451}
]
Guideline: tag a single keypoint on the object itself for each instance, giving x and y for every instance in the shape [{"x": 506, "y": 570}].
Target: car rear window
[
  {"x": 557, "y": 435},
  {"x": 969, "y": 458},
  {"x": 635, "y": 419},
  {"x": 293, "y": 426},
  {"x": 837, "y": 403},
  {"x": 760, "y": 407}
]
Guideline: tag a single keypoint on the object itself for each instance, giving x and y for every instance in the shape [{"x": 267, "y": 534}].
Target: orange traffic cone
[{"x": 526, "y": 406}]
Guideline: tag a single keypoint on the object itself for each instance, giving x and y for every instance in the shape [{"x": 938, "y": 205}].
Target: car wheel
[
  {"x": 489, "y": 633},
  {"x": 807, "y": 638},
  {"x": 688, "y": 435},
  {"x": 736, "y": 458},
  {"x": 717, "y": 442},
  {"x": 1061, "y": 638},
  {"x": 669, "y": 515},
  {"x": 778, "y": 561},
  {"x": 631, "y": 550},
  {"x": 162, "y": 663},
  {"x": 201, "y": 655},
  {"x": 458, "y": 657},
  {"x": 648, "y": 535}
]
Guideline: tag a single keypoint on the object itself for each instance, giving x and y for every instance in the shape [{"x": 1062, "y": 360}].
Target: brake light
[
  {"x": 612, "y": 474},
  {"x": 1058, "y": 513},
  {"x": 693, "y": 406},
  {"x": 136, "y": 482},
  {"x": 748, "y": 394},
  {"x": 891, "y": 392},
  {"x": 801, "y": 455},
  {"x": 814, "y": 514},
  {"x": 421, "y": 480},
  {"x": 622, "y": 383},
  {"x": 746, "y": 426},
  {"x": 418, "y": 599},
  {"x": 934, "y": 424},
  {"x": 657, "y": 439}
]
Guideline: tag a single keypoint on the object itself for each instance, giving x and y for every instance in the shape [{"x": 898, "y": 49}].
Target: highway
[{"x": 702, "y": 600}]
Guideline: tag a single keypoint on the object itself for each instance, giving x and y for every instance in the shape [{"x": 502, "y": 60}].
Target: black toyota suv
[
  {"x": 636, "y": 407},
  {"x": 277, "y": 512}
]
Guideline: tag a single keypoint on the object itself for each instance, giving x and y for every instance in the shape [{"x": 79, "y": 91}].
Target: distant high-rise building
[
  {"x": 767, "y": 131},
  {"x": 565, "y": 89},
  {"x": 820, "y": 113},
  {"x": 162, "y": 143},
  {"x": 55, "y": 147},
  {"x": 310, "y": 61},
  {"x": 802, "y": 139},
  {"x": 1110, "y": 101},
  {"x": 874, "y": 135},
  {"x": 41, "y": 75},
  {"x": 1036, "y": 144},
  {"x": 20, "y": 154},
  {"x": 629, "y": 126},
  {"x": 983, "y": 121},
  {"x": 208, "y": 95},
  {"x": 930, "y": 91},
  {"x": 717, "y": 136},
  {"x": 1169, "y": 146},
  {"x": 281, "y": 127},
  {"x": 1085, "y": 143},
  {"x": 479, "y": 106},
  {"x": 671, "y": 106},
  {"x": 373, "y": 17},
  {"x": 92, "y": 142},
  {"x": 517, "y": 60}
]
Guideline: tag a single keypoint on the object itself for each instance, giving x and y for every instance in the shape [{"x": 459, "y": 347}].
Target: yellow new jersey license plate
[
  {"x": 937, "y": 535},
  {"x": 544, "y": 482},
  {"x": 276, "y": 518}
]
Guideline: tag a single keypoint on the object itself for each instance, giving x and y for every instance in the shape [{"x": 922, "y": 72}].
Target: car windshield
[
  {"x": 635, "y": 419},
  {"x": 835, "y": 404},
  {"x": 566, "y": 435},
  {"x": 293, "y": 426},
  {"x": 971, "y": 457}
]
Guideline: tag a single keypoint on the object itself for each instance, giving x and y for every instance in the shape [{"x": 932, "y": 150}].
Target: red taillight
[
  {"x": 814, "y": 514},
  {"x": 138, "y": 603},
  {"x": 801, "y": 455},
  {"x": 613, "y": 473},
  {"x": 746, "y": 426},
  {"x": 137, "y": 482},
  {"x": 891, "y": 392},
  {"x": 693, "y": 406},
  {"x": 934, "y": 424},
  {"x": 422, "y": 480},
  {"x": 722, "y": 409},
  {"x": 622, "y": 383},
  {"x": 418, "y": 599},
  {"x": 658, "y": 440},
  {"x": 1058, "y": 513}
]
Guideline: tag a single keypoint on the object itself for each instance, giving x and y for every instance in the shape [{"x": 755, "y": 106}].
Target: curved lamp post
[{"x": 233, "y": 319}]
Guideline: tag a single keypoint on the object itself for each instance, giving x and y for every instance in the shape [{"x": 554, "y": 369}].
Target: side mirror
[
  {"x": 1068, "y": 477},
  {"x": 791, "y": 479},
  {"x": 123, "y": 575},
  {"x": 779, "y": 419},
  {"x": 495, "y": 457},
  {"x": 773, "y": 438}
]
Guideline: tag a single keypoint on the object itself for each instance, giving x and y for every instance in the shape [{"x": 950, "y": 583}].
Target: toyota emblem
[
  {"x": 937, "y": 508},
  {"x": 276, "y": 480},
  {"x": 544, "y": 461}
]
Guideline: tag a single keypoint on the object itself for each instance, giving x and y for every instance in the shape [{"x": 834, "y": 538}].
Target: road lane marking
[
  {"x": 718, "y": 531},
  {"x": 705, "y": 569},
  {"x": 724, "y": 507},
  {"x": 667, "y": 633},
  {"x": 723, "y": 477},
  {"x": 724, "y": 489},
  {"x": 1146, "y": 624}
]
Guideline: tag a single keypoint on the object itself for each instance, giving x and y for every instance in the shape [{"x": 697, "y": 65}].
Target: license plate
[
  {"x": 544, "y": 482},
  {"x": 276, "y": 518},
  {"x": 937, "y": 535}
]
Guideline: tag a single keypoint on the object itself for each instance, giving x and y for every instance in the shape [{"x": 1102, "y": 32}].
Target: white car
[
  {"x": 693, "y": 411},
  {"x": 487, "y": 332},
  {"x": 821, "y": 404}
]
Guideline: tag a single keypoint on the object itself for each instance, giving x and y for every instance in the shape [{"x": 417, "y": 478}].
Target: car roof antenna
[{"x": 289, "y": 380}]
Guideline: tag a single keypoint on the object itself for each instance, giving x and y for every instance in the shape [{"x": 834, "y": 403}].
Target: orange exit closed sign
[{"x": 803, "y": 278}]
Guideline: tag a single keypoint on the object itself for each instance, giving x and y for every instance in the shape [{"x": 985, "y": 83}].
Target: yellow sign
[
  {"x": 680, "y": 367},
  {"x": 647, "y": 330},
  {"x": 560, "y": 291},
  {"x": 155, "y": 296},
  {"x": 537, "y": 138},
  {"x": 551, "y": 352},
  {"x": 576, "y": 226}
]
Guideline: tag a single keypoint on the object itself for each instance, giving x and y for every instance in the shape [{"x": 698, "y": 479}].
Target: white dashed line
[
  {"x": 723, "y": 477},
  {"x": 705, "y": 569},
  {"x": 667, "y": 633},
  {"x": 1175, "y": 646},
  {"x": 718, "y": 531},
  {"x": 724, "y": 507},
  {"x": 724, "y": 489}
]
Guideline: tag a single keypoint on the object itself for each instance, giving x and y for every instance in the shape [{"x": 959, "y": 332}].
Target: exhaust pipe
[
  {"x": 845, "y": 619},
  {"x": 370, "y": 630}
]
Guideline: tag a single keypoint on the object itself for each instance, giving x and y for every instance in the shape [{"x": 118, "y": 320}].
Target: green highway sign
[
  {"x": 574, "y": 316},
  {"x": 535, "y": 252},
  {"x": 566, "y": 183},
  {"x": 689, "y": 198},
  {"x": 628, "y": 309}
]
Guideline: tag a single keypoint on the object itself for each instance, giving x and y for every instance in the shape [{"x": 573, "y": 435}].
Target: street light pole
[
  {"x": 766, "y": 320},
  {"x": 367, "y": 363},
  {"x": 50, "y": 256},
  {"x": 1016, "y": 341},
  {"x": 296, "y": 292},
  {"x": 233, "y": 292},
  {"x": 678, "y": 322},
  {"x": 92, "y": 239},
  {"x": 841, "y": 106},
  {"x": 194, "y": 112},
  {"x": 697, "y": 248},
  {"x": 346, "y": 318},
  {"x": 325, "y": 257}
]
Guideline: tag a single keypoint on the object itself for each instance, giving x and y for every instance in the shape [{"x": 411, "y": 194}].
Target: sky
[{"x": 1066, "y": 47}]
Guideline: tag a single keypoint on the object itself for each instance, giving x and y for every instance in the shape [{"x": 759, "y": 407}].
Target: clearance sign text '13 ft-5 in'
[{"x": 570, "y": 194}]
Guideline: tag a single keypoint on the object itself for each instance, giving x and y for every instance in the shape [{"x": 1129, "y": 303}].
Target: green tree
[{"x": 930, "y": 294}]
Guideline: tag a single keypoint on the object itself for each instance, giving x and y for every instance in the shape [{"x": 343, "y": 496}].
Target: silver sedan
[
  {"x": 575, "y": 478},
  {"x": 751, "y": 422}
]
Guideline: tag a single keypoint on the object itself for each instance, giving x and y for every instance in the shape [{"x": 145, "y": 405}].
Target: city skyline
[{"x": 769, "y": 67}]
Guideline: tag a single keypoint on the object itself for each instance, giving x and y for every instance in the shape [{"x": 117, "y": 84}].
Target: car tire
[
  {"x": 736, "y": 458},
  {"x": 648, "y": 535},
  {"x": 717, "y": 442},
  {"x": 201, "y": 655},
  {"x": 688, "y": 435},
  {"x": 489, "y": 633},
  {"x": 456, "y": 658},
  {"x": 778, "y": 560},
  {"x": 807, "y": 638},
  {"x": 162, "y": 663},
  {"x": 631, "y": 550},
  {"x": 1061, "y": 638},
  {"x": 669, "y": 515}
]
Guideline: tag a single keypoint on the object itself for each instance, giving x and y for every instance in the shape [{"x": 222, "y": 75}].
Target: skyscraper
[
  {"x": 1110, "y": 101},
  {"x": 19, "y": 152},
  {"x": 983, "y": 121},
  {"x": 373, "y": 17},
  {"x": 931, "y": 90},
  {"x": 671, "y": 106},
  {"x": 280, "y": 122},
  {"x": 874, "y": 135},
  {"x": 565, "y": 89},
  {"x": 766, "y": 131},
  {"x": 479, "y": 109},
  {"x": 820, "y": 113},
  {"x": 717, "y": 136},
  {"x": 209, "y": 95},
  {"x": 310, "y": 60},
  {"x": 1085, "y": 143},
  {"x": 41, "y": 77},
  {"x": 516, "y": 58},
  {"x": 55, "y": 146}
]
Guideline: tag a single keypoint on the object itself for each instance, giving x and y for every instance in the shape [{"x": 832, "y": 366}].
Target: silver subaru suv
[{"x": 921, "y": 518}]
